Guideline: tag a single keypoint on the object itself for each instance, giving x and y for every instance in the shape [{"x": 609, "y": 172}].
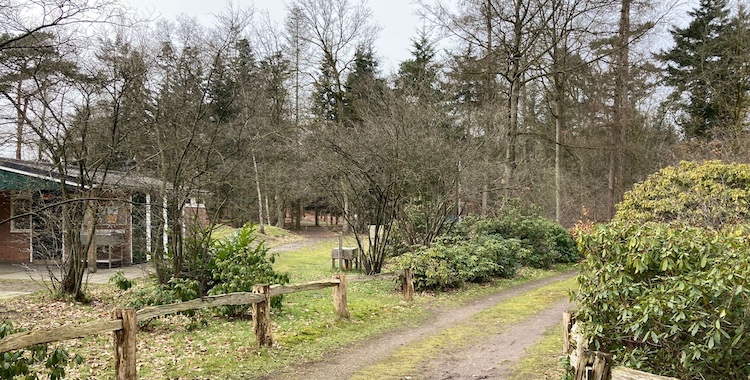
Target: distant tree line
[{"x": 554, "y": 102}]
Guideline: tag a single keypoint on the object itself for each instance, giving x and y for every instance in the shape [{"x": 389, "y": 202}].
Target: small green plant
[
  {"x": 480, "y": 249},
  {"x": 21, "y": 364},
  {"x": 176, "y": 290},
  {"x": 120, "y": 281},
  {"x": 239, "y": 263}
]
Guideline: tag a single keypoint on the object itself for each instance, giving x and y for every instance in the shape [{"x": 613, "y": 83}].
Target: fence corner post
[
  {"x": 567, "y": 324},
  {"x": 262, "y": 316},
  {"x": 408, "y": 285},
  {"x": 339, "y": 297},
  {"x": 125, "y": 345},
  {"x": 594, "y": 365}
]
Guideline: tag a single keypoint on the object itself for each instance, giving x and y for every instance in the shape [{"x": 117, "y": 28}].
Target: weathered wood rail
[
  {"x": 594, "y": 365},
  {"x": 124, "y": 323}
]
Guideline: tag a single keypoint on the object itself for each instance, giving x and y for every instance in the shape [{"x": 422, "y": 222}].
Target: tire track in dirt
[
  {"x": 494, "y": 358},
  {"x": 344, "y": 362}
]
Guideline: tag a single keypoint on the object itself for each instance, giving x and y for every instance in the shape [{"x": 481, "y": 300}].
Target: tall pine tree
[{"x": 698, "y": 69}]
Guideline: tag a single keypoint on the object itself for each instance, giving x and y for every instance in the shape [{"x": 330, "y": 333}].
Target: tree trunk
[
  {"x": 488, "y": 96},
  {"x": 514, "y": 100},
  {"x": 75, "y": 260},
  {"x": 558, "y": 77},
  {"x": 298, "y": 222},
  {"x": 268, "y": 213},
  {"x": 620, "y": 122},
  {"x": 345, "y": 225},
  {"x": 280, "y": 214},
  {"x": 260, "y": 197},
  {"x": 20, "y": 119}
]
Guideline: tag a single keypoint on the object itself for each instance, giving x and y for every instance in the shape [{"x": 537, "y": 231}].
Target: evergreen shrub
[{"x": 664, "y": 286}]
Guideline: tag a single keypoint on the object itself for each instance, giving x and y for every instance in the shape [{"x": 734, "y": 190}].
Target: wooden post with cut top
[
  {"x": 125, "y": 345},
  {"x": 594, "y": 365},
  {"x": 408, "y": 285},
  {"x": 339, "y": 297},
  {"x": 262, "y": 317}
]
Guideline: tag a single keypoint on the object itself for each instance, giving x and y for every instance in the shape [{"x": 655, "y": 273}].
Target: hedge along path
[{"x": 409, "y": 359}]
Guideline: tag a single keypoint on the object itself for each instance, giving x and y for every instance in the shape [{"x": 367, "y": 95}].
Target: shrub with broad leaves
[{"x": 664, "y": 287}]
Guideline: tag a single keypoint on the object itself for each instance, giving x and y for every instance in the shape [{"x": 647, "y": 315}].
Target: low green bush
[
  {"x": 670, "y": 299},
  {"x": 236, "y": 263},
  {"x": 545, "y": 242},
  {"x": 120, "y": 281},
  {"x": 176, "y": 290},
  {"x": 443, "y": 266},
  {"x": 239, "y": 263},
  {"x": 479, "y": 249}
]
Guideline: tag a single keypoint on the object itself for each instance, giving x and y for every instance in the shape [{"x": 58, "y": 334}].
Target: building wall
[{"x": 14, "y": 246}]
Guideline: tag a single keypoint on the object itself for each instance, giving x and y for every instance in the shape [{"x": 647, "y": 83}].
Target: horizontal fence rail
[
  {"x": 25, "y": 339},
  {"x": 124, "y": 322}
]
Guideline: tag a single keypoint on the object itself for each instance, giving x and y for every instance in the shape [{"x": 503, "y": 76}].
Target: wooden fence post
[
  {"x": 262, "y": 317},
  {"x": 408, "y": 285},
  {"x": 339, "y": 297},
  {"x": 125, "y": 345},
  {"x": 593, "y": 365},
  {"x": 567, "y": 324}
]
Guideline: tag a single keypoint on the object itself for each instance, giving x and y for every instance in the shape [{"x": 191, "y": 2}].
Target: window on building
[{"x": 20, "y": 205}]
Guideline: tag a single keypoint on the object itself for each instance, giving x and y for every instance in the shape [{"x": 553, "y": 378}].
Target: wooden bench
[{"x": 349, "y": 254}]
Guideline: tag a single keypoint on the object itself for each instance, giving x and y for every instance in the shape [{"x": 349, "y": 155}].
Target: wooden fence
[
  {"x": 594, "y": 365},
  {"x": 124, "y": 322}
]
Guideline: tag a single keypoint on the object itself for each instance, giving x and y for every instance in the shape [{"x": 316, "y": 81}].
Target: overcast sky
[{"x": 397, "y": 19}]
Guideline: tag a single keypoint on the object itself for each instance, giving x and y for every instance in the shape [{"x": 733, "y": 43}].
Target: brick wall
[{"x": 14, "y": 246}]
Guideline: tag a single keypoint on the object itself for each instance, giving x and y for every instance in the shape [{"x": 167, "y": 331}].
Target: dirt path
[
  {"x": 311, "y": 235},
  {"x": 494, "y": 358},
  {"x": 344, "y": 362}
]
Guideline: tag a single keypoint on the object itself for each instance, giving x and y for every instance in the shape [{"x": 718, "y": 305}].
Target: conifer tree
[{"x": 697, "y": 67}]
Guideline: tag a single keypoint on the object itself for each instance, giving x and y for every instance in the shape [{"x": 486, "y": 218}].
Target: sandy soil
[{"x": 481, "y": 360}]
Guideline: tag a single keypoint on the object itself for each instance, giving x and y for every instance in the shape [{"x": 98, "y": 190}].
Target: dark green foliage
[
  {"x": 668, "y": 298},
  {"x": 545, "y": 241},
  {"x": 480, "y": 249},
  {"x": 450, "y": 266},
  {"x": 21, "y": 364},
  {"x": 120, "y": 281},
  {"x": 239, "y": 263},
  {"x": 665, "y": 285},
  {"x": 235, "y": 265},
  {"x": 176, "y": 290},
  {"x": 707, "y": 68}
]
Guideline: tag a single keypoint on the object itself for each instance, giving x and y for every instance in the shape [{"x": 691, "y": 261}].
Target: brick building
[{"x": 127, "y": 217}]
